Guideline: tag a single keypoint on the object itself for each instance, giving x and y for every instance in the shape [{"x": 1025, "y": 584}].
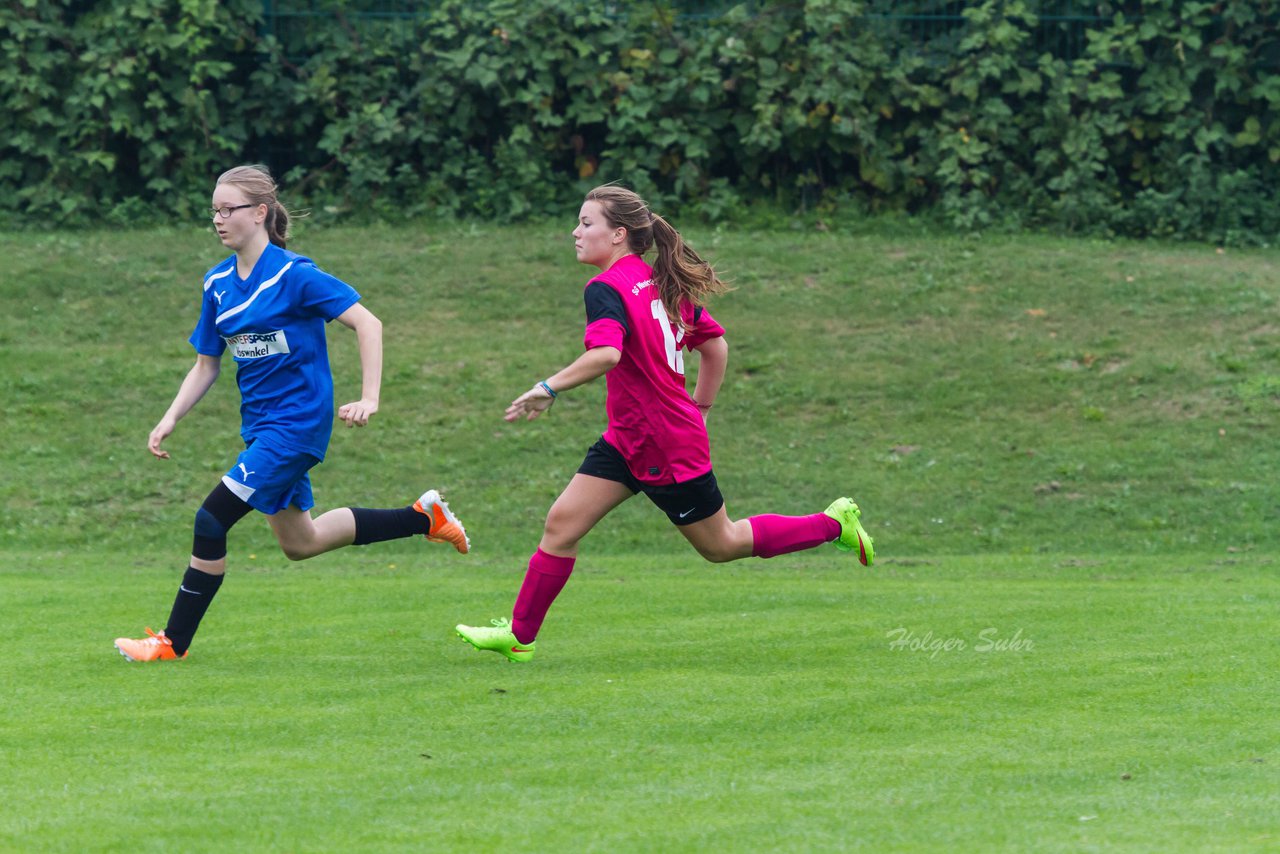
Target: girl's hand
[
  {"x": 158, "y": 435},
  {"x": 357, "y": 414},
  {"x": 531, "y": 404}
]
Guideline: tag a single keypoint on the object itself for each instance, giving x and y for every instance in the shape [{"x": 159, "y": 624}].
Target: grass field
[
  {"x": 1066, "y": 451},
  {"x": 675, "y": 707}
]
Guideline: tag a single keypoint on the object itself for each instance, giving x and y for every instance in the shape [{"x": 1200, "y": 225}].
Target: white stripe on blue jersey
[
  {"x": 209, "y": 281},
  {"x": 231, "y": 312}
]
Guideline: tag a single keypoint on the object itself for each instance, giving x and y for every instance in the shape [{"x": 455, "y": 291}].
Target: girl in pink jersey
[{"x": 639, "y": 319}]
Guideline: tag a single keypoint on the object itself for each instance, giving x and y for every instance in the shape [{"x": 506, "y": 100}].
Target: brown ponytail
[
  {"x": 259, "y": 188},
  {"x": 679, "y": 273}
]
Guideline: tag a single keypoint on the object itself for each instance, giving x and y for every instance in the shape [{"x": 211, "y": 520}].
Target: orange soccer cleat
[
  {"x": 154, "y": 647},
  {"x": 445, "y": 527}
]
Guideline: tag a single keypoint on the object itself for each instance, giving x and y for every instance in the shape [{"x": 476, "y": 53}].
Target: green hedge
[{"x": 1163, "y": 122}]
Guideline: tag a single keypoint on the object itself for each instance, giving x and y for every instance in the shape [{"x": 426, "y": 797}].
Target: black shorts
[{"x": 684, "y": 503}]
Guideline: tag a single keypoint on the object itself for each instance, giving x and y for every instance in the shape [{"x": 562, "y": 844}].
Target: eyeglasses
[{"x": 226, "y": 210}]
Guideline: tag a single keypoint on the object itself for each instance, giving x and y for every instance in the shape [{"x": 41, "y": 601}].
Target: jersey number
[{"x": 670, "y": 337}]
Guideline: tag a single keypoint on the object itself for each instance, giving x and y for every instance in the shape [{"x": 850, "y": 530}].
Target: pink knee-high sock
[
  {"x": 780, "y": 535},
  {"x": 545, "y": 578}
]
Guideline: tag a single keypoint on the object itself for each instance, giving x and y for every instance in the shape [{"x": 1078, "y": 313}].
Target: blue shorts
[{"x": 270, "y": 477}]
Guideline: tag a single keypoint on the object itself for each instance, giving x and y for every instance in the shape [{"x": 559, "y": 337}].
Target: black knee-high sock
[
  {"x": 374, "y": 526},
  {"x": 194, "y": 595}
]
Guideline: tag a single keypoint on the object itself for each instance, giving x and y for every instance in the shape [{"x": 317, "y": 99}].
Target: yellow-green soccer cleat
[
  {"x": 497, "y": 638},
  {"x": 852, "y": 536}
]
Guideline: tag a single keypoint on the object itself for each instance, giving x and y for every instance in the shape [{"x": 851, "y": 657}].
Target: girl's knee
[
  {"x": 296, "y": 551},
  {"x": 717, "y": 552},
  {"x": 558, "y": 545},
  {"x": 559, "y": 532},
  {"x": 722, "y": 546}
]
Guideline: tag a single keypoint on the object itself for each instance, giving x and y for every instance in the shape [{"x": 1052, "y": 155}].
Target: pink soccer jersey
[{"x": 653, "y": 421}]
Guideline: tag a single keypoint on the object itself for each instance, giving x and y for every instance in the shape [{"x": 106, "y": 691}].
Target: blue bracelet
[{"x": 548, "y": 389}]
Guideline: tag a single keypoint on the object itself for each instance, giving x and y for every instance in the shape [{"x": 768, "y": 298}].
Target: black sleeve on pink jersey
[{"x": 604, "y": 303}]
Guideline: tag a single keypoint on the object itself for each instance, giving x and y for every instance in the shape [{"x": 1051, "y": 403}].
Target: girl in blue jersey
[{"x": 269, "y": 307}]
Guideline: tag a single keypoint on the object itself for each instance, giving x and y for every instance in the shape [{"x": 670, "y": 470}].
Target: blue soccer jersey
[{"x": 273, "y": 323}]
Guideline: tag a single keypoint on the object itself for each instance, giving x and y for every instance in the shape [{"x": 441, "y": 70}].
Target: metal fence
[{"x": 934, "y": 28}]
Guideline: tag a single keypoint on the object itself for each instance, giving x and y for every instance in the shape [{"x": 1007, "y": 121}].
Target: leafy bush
[
  {"x": 120, "y": 104},
  {"x": 1159, "y": 122}
]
